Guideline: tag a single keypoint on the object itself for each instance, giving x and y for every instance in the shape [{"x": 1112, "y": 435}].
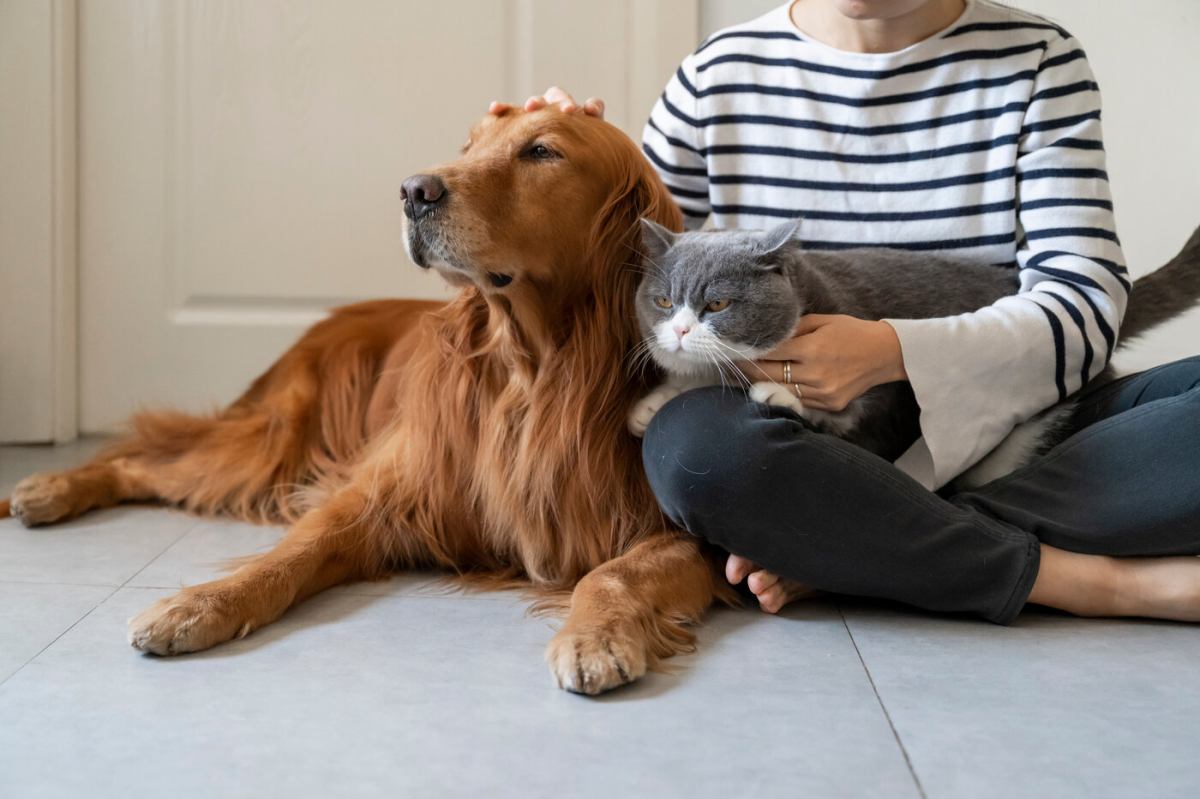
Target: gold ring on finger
[{"x": 787, "y": 371}]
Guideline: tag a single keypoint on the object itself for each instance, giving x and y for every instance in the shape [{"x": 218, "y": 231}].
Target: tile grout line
[
  {"x": 165, "y": 550},
  {"x": 58, "y": 582},
  {"x": 92, "y": 609},
  {"x": 875, "y": 689}
]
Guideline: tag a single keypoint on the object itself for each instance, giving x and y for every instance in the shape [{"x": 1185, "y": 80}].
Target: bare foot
[
  {"x": 1095, "y": 585},
  {"x": 1161, "y": 588},
  {"x": 773, "y": 592}
]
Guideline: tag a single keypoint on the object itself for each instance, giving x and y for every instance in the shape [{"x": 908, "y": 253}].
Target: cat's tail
[{"x": 1164, "y": 293}]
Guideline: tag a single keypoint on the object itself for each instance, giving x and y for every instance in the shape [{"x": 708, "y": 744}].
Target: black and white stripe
[{"x": 983, "y": 141}]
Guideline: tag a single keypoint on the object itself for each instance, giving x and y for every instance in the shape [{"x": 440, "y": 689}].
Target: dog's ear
[
  {"x": 656, "y": 239},
  {"x": 618, "y": 235},
  {"x": 774, "y": 239},
  {"x": 637, "y": 199}
]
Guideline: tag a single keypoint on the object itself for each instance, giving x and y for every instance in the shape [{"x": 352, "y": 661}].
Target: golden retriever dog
[{"x": 484, "y": 436}]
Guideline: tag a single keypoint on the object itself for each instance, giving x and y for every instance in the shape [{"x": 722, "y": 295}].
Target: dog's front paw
[
  {"x": 192, "y": 620},
  {"x": 42, "y": 499},
  {"x": 592, "y": 662},
  {"x": 644, "y": 410},
  {"x": 777, "y": 395}
]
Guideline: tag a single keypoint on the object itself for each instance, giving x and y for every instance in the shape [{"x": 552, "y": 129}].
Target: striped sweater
[{"x": 980, "y": 142}]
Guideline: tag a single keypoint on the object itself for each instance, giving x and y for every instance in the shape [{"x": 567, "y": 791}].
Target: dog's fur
[{"x": 485, "y": 436}]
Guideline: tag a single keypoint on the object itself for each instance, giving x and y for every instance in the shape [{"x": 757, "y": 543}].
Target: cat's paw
[
  {"x": 645, "y": 408},
  {"x": 779, "y": 396}
]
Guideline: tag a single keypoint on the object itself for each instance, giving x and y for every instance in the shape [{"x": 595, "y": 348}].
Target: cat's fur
[{"x": 770, "y": 281}]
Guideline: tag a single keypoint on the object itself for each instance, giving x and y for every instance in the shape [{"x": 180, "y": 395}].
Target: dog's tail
[{"x": 1164, "y": 293}]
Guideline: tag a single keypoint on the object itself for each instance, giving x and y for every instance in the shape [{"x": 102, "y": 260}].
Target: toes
[
  {"x": 761, "y": 580},
  {"x": 773, "y": 599},
  {"x": 782, "y": 593},
  {"x": 736, "y": 569}
]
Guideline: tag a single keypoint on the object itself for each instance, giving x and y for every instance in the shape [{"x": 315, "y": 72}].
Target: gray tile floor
[{"x": 401, "y": 689}]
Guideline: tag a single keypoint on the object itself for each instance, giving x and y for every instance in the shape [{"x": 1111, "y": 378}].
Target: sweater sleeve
[
  {"x": 978, "y": 375},
  {"x": 672, "y": 142}
]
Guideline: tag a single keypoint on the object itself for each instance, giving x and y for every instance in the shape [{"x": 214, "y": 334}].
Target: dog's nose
[{"x": 421, "y": 194}]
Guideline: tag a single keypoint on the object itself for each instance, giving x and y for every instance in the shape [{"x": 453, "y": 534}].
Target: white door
[{"x": 240, "y": 162}]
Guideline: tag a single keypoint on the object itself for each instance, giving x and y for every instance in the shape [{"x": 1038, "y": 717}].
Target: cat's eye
[
  {"x": 717, "y": 305},
  {"x": 663, "y": 302}
]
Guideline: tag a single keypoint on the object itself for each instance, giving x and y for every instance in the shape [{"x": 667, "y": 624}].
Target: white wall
[
  {"x": 1147, "y": 61},
  {"x": 717, "y": 14}
]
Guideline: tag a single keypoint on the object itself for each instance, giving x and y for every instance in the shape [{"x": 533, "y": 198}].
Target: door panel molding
[
  {"x": 241, "y": 161},
  {"x": 38, "y": 267}
]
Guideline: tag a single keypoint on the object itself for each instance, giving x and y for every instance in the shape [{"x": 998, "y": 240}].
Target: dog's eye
[
  {"x": 663, "y": 302},
  {"x": 540, "y": 152},
  {"x": 717, "y": 305}
]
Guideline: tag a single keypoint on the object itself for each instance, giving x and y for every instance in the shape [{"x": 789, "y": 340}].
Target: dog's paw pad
[
  {"x": 594, "y": 662},
  {"x": 41, "y": 499},
  {"x": 186, "y": 622}
]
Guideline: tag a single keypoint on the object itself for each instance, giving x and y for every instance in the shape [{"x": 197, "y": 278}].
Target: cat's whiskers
[
  {"x": 641, "y": 356},
  {"x": 766, "y": 377},
  {"x": 732, "y": 348},
  {"x": 743, "y": 379},
  {"x": 720, "y": 360},
  {"x": 704, "y": 350},
  {"x": 724, "y": 366}
]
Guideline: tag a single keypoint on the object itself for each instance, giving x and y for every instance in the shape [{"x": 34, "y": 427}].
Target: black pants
[{"x": 758, "y": 482}]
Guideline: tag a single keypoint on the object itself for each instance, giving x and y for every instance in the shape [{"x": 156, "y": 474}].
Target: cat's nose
[{"x": 682, "y": 330}]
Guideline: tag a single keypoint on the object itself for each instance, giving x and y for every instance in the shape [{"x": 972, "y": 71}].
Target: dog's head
[
  {"x": 538, "y": 222},
  {"x": 535, "y": 205}
]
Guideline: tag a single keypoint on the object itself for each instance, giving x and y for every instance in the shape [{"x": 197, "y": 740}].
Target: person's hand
[
  {"x": 772, "y": 592},
  {"x": 834, "y": 359},
  {"x": 593, "y": 106}
]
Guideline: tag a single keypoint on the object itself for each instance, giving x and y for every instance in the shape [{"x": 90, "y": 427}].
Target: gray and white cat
[{"x": 710, "y": 298}]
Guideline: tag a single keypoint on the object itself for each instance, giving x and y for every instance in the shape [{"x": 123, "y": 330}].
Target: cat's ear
[
  {"x": 775, "y": 238},
  {"x": 656, "y": 239}
]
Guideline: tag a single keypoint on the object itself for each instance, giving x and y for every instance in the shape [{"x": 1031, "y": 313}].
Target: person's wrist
[{"x": 891, "y": 356}]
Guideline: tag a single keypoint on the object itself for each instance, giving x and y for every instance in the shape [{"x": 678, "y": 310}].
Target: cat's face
[{"x": 712, "y": 297}]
